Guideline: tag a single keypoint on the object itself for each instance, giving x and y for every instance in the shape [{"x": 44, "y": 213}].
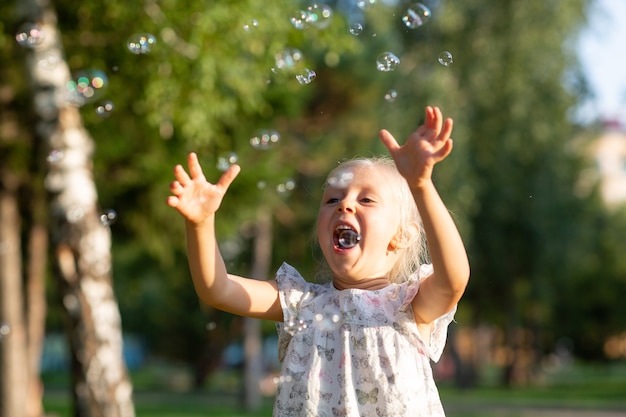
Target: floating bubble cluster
[
  {"x": 329, "y": 320},
  {"x": 48, "y": 60},
  {"x": 387, "y": 61},
  {"x": 341, "y": 180},
  {"x": 365, "y": 4},
  {"x": 445, "y": 58},
  {"x": 294, "y": 326},
  {"x": 391, "y": 96},
  {"x": 86, "y": 86},
  {"x": 305, "y": 76},
  {"x": 318, "y": 15},
  {"x": 281, "y": 379},
  {"x": 29, "y": 35},
  {"x": 416, "y": 15},
  {"x": 104, "y": 109},
  {"x": 108, "y": 217},
  {"x": 286, "y": 186},
  {"x": 226, "y": 160},
  {"x": 75, "y": 214},
  {"x": 141, "y": 43},
  {"x": 55, "y": 156},
  {"x": 265, "y": 139},
  {"x": 287, "y": 58}
]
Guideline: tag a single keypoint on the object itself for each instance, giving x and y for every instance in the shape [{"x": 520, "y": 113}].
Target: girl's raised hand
[
  {"x": 193, "y": 196},
  {"x": 426, "y": 146}
]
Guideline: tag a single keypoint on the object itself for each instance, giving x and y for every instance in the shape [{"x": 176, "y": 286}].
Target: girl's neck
[{"x": 369, "y": 284}]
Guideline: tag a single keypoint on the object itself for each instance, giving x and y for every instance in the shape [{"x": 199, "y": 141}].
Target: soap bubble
[
  {"x": 365, "y": 4},
  {"x": 387, "y": 61},
  {"x": 391, "y": 95},
  {"x": 294, "y": 327},
  {"x": 55, "y": 156},
  {"x": 29, "y": 35},
  {"x": 356, "y": 29},
  {"x": 104, "y": 109},
  {"x": 285, "y": 187},
  {"x": 319, "y": 15},
  {"x": 315, "y": 14},
  {"x": 265, "y": 139},
  {"x": 251, "y": 25},
  {"x": 86, "y": 86},
  {"x": 287, "y": 58},
  {"x": 226, "y": 160},
  {"x": 5, "y": 329},
  {"x": 299, "y": 19},
  {"x": 48, "y": 60},
  {"x": 306, "y": 76},
  {"x": 75, "y": 214},
  {"x": 342, "y": 179},
  {"x": 281, "y": 379},
  {"x": 329, "y": 319},
  {"x": 445, "y": 58},
  {"x": 108, "y": 217},
  {"x": 141, "y": 43},
  {"x": 416, "y": 15}
]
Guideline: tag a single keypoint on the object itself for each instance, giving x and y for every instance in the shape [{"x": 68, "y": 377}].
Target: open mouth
[{"x": 345, "y": 237}]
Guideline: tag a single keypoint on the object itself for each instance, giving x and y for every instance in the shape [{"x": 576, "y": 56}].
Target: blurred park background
[{"x": 99, "y": 100}]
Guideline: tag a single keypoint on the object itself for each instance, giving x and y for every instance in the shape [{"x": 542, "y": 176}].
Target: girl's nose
[{"x": 345, "y": 207}]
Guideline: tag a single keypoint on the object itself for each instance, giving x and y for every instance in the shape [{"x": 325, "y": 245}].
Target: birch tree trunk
[
  {"x": 13, "y": 340},
  {"x": 81, "y": 244}
]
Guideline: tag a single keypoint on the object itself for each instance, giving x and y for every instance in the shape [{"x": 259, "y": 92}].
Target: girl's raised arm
[
  {"x": 197, "y": 200},
  {"x": 415, "y": 160}
]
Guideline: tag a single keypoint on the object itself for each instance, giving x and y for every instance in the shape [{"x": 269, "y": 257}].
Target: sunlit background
[{"x": 99, "y": 100}]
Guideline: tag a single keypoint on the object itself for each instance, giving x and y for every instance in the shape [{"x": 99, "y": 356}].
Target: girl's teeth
[{"x": 348, "y": 238}]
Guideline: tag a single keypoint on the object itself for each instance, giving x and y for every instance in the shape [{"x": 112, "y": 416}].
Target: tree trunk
[
  {"x": 81, "y": 244},
  {"x": 13, "y": 339},
  {"x": 253, "y": 369},
  {"x": 36, "y": 313}
]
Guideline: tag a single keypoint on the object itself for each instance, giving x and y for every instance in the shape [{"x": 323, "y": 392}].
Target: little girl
[{"x": 361, "y": 344}]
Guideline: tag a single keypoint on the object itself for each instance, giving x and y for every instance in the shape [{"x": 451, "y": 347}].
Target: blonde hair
[{"x": 414, "y": 251}]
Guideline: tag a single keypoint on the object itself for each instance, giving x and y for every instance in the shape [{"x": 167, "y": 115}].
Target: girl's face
[{"x": 360, "y": 198}]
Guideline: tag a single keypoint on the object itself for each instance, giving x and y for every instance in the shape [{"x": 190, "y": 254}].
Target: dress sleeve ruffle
[
  {"x": 291, "y": 289},
  {"x": 439, "y": 332}
]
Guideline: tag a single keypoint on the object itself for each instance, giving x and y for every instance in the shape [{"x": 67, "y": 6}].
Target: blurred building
[{"x": 609, "y": 151}]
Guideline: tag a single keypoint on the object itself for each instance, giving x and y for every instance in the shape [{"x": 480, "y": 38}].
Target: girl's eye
[
  {"x": 332, "y": 200},
  {"x": 367, "y": 200}
]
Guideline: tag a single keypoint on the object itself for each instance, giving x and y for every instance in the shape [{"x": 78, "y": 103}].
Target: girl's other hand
[
  {"x": 193, "y": 196},
  {"x": 425, "y": 147}
]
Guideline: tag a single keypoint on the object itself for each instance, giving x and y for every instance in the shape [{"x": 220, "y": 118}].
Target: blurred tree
[
  {"x": 515, "y": 83},
  {"x": 81, "y": 244}
]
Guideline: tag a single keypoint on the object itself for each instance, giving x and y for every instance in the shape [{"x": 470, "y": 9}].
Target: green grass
[{"x": 160, "y": 392}]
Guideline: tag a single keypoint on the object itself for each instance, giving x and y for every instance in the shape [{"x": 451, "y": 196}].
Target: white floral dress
[{"x": 355, "y": 353}]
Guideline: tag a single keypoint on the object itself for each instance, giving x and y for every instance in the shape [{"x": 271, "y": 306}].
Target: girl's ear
[{"x": 405, "y": 237}]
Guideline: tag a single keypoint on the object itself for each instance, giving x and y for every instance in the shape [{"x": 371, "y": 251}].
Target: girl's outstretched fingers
[
  {"x": 388, "y": 140},
  {"x": 195, "y": 169},
  {"x": 228, "y": 176}
]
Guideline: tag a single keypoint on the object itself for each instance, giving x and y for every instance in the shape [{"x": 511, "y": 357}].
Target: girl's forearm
[
  {"x": 447, "y": 251},
  {"x": 207, "y": 267}
]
